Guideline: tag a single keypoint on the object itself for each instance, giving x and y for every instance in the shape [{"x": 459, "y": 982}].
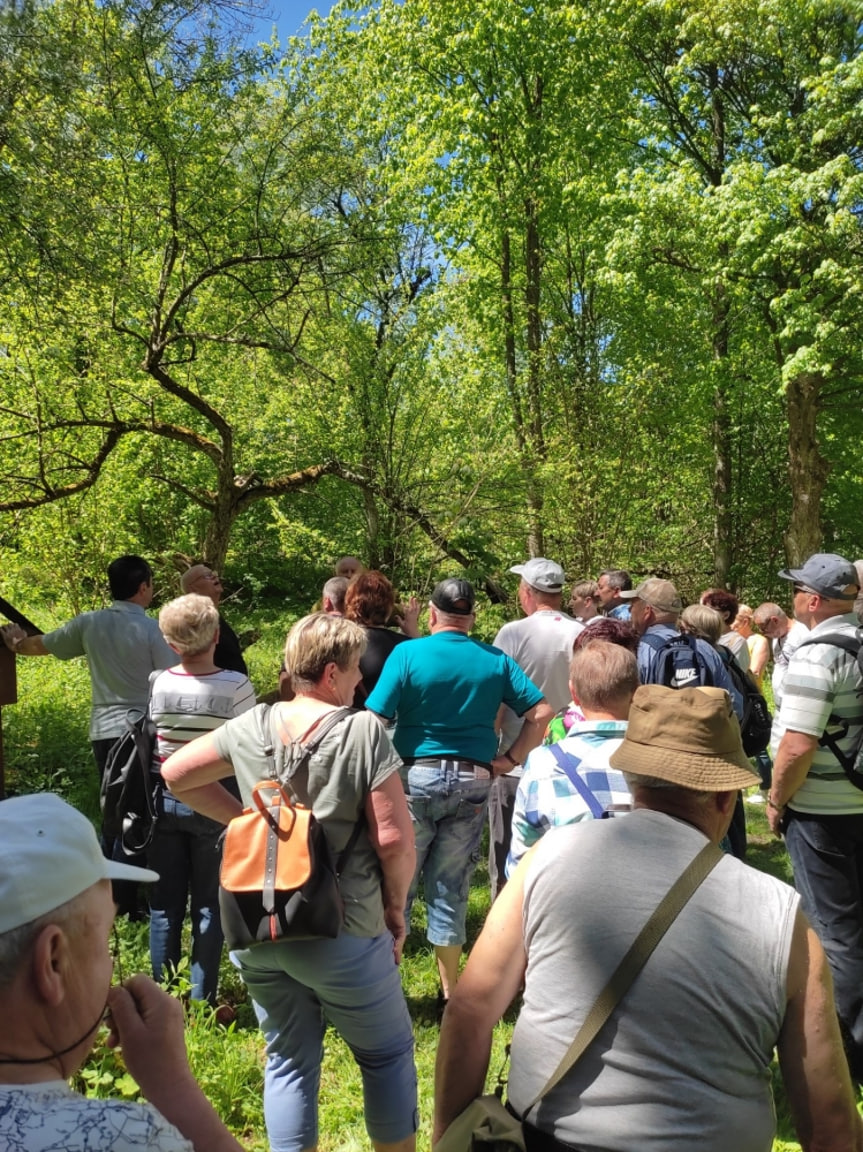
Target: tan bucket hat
[{"x": 687, "y": 736}]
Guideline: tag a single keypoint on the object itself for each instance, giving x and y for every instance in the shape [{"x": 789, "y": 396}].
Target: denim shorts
[
  {"x": 295, "y": 986},
  {"x": 448, "y": 811}
]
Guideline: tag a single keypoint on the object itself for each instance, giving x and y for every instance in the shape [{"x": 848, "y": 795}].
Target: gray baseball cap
[
  {"x": 827, "y": 574},
  {"x": 542, "y": 574}
]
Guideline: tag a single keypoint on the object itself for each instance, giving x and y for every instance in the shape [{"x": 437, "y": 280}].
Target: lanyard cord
[{"x": 54, "y": 1055}]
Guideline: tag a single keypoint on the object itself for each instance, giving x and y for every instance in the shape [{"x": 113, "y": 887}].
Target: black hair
[{"x": 126, "y": 574}]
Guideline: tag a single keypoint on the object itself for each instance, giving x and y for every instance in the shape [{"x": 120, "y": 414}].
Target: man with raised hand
[
  {"x": 811, "y": 799},
  {"x": 541, "y": 644},
  {"x": 122, "y": 646},
  {"x": 56, "y": 914}
]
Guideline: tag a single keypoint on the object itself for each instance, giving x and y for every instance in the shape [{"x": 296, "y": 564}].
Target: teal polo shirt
[{"x": 444, "y": 692}]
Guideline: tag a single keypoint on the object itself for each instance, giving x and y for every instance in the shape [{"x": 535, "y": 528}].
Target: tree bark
[
  {"x": 807, "y": 468},
  {"x": 721, "y": 434}
]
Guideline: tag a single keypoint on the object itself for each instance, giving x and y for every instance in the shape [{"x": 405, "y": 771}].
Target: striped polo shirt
[
  {"x": 184, "y": 707},
  {"x": 823, "y": 685}
]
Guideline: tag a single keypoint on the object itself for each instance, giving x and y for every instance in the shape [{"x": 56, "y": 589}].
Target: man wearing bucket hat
[
  {"x": 811, "y": 799},
  {"x": 56, "y": 914},
  {"x": 541, "y": 644},
  {"x": 683, "y": 1060},
  {"x": 444, "y": 692}
]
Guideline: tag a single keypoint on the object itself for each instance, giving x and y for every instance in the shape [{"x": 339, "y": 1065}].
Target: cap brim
[
  {"x": 632, "y": 594},
  {"x": 115, "y": 870}
]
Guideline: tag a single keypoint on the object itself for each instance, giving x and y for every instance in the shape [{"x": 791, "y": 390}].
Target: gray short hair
[
  {"x": 703, "y": 621},
  {"x": 17, "y": 942},
  {"x": 189, "y": 623}
]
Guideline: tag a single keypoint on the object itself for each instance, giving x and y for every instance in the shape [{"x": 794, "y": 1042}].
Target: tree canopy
[{"x": 436, "y": 284}]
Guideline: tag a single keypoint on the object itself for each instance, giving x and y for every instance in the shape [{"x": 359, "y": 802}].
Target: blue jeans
[
  {"x": 186, "y": 853},
  {"x": 355, "y": 983},
  {"x": 448, "y": 814},
  {"x": 827, "y": 855}
]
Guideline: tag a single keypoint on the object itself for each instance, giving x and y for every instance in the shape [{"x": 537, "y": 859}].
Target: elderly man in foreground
[
  {"x": 683, "y": 1061},
  {"x": 56, "y": 915}
]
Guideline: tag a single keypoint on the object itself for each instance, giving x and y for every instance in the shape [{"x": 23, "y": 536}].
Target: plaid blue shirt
[{"x": 547, "y": 799}]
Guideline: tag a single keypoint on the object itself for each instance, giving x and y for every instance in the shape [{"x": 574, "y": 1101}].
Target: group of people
[{"x": 605, "y": 747}]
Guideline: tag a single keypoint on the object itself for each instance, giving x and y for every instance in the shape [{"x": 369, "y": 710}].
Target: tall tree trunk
[
  {"x": 721, "y": 435},
  {"x": 533, "y": 269},
  {"x": 534, "y": 492},
  {"x": 807, "y": 468}
]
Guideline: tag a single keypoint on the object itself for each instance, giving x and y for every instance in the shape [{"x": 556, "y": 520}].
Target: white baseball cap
[{"x": 49, "y": 854}]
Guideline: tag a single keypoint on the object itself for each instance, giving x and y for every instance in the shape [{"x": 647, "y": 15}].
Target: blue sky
[{"x": 288, "y": 16}]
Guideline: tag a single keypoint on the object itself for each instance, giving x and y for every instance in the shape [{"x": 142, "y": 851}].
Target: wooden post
[{"x": 8, "y": 695}]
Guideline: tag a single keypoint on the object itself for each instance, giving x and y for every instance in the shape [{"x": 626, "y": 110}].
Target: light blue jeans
[
  {"x": 186, "y": 853},
  {"x": 448, "y": 813},
  {"x": 354, "y": 983}
]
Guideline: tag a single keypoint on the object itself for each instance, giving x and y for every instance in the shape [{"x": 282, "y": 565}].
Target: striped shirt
[
  {"x": 546, "y": 798},
  {"x": 184, "y": 707},
  {"x": 823, "y": 685}
]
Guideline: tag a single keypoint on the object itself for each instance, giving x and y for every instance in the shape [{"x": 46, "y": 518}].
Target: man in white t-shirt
[
  {"x": 785, "y": 637},
  {"x": 56, "y": 915},
  {"x": 541, "y": 645}
]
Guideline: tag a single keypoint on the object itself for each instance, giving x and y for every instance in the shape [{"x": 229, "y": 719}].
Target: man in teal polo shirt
[{"x": 444, "y": 692}]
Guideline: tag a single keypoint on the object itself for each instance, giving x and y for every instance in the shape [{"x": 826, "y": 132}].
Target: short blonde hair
[
  {"x": 702, "y": 621},
  {"x": 190, "y": 623},
  {"x": 319, "y": 640}
]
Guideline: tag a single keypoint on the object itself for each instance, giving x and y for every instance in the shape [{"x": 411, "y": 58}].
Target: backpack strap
[
  {"x": 653, "y": 641},
  {"x": 830, "y": 740},
  {"x": 567, "y": 763},
  {"x": 275, "y": 751},
  {"x": 664, "y": 915}
]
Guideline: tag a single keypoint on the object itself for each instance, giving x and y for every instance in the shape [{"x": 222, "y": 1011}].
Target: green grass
[{"x": 46, "y": 748}]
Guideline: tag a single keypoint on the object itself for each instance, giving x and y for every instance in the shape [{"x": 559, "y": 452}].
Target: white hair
[{"x": 17, "y": 942}]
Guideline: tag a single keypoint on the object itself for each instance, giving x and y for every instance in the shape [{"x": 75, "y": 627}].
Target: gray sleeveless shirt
[{"x": 684, "y": 1060}]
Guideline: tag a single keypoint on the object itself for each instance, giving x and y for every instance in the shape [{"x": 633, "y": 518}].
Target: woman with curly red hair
[{"x": 370, "y": 602}]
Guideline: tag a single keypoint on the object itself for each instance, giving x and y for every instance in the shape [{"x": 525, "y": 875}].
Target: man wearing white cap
[
  {"x": 541, "y": 645},
  {"x": 56, "y": 914},
  {"x": 811, "y": 799},
  {"x": 682, "y": 1059}
]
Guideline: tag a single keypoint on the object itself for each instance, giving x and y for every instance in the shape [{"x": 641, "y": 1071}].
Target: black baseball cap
[{"x": 455, "y": 597}]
